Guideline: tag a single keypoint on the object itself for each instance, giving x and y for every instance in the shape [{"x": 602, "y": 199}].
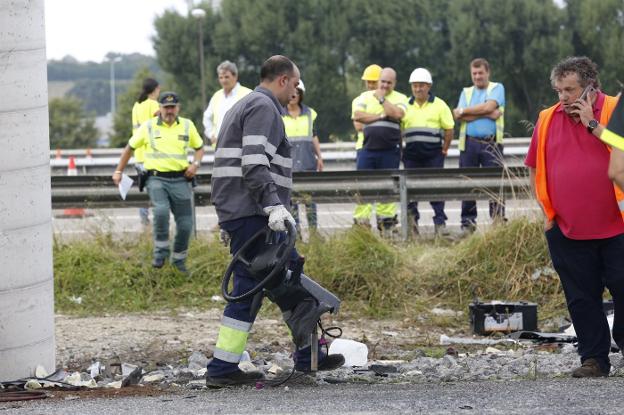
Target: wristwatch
[
  {"x": 196, "y": 163},
  {"x": 382, "y": 100},
  {"x": 591, "y": 126}
]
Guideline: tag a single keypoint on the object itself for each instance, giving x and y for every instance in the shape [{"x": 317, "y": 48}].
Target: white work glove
[{"x": 278, "y": 214}]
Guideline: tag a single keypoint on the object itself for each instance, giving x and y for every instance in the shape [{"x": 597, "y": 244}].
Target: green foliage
[
  {"x": 333, "y": 40},
  {"x": 369, "y": 274},
  {"x": 96, "y": 94},
  {"x": 70, "y": 125},
  {"x": 176, "y": 45},
  {"x": 122, "y": 122},
  {"x": 92, "y": 80},
  {"x": 70, "y": 69},
  {"x": 117, "y": 276}
]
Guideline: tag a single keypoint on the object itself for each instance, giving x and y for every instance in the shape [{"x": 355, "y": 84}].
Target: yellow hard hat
[{"x": 371, "y": 73}]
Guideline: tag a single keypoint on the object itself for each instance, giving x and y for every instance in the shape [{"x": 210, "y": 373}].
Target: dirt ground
[{"x": 162, "y": 338}]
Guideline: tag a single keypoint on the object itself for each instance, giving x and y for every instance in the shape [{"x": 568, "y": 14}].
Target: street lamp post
[
  {"x": 112, "y": 83},
  {"x": 199, "y": 14}
]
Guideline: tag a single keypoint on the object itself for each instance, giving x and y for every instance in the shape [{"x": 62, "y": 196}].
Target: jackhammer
[{"x": 301, "y": 300}]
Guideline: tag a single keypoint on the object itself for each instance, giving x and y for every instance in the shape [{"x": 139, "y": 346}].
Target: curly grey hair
[{"x": 582, "y": 66}]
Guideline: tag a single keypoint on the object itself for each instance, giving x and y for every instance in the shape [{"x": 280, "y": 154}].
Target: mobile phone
[{"x": 586, "y": 91}]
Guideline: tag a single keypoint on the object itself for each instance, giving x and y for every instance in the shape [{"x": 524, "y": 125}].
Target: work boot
[
  {"x": 468, "y": 229},
  {"x": 589, "y": 369},
  {"x": 181, "y": 267},
  {"x": 325, "y": 362},
  {"x": 440, "y": 230},
  {"x": 414, "y": 227},
  {"x": 233, "y": 379},
  {"x": 158, "y": 262},
  {"x": 364, "y": 223}
]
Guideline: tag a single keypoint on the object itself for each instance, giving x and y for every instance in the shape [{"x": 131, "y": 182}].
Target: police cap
[{"x": 168, "y": 99}]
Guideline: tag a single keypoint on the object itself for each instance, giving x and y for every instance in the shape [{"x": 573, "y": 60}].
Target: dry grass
[{"x": 370, "y": 274}]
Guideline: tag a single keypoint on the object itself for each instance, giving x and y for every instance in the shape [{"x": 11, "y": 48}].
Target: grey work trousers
[{"x": 171, "y": 194}]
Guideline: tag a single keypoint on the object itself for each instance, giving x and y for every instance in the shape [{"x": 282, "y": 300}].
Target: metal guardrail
[
  {"x": 326, "y": 187},
  {"x": 322, "y": 187},
  {"x": 337, "y": 156}
]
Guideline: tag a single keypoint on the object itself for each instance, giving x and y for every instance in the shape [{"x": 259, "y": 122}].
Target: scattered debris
[
  {"x": 355, "y": 353},
  {"x": 133, "y": 378},
  {"x": 446, "y": 312},
  {"x": 446, "y": 340},
  {"x": 197, "y": 361},
  {"x": 75, "y": 300}
]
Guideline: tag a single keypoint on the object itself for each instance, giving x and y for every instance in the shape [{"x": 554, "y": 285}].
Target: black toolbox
[{"x": 503, "y": 317}]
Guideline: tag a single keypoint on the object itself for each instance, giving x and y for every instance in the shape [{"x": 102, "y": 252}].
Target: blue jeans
[
  {"x": 481, "y": 153},
  {"x": 437, "y": 160},
  {"x": 585, "y": 267}
]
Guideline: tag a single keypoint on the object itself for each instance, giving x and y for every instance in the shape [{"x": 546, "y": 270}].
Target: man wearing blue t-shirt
[{"x": 480, "y": 111}]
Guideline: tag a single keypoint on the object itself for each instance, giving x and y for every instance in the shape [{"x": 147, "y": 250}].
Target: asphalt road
[
  {"x": 553, "y": 396},
  {"x": 332, "y": 217}
]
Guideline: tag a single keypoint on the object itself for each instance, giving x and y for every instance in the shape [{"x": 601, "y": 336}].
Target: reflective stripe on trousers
[{"x": 232, "y": 339}]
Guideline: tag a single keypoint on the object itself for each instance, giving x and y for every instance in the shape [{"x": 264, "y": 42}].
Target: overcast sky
[{"x": 89, "y": 29}]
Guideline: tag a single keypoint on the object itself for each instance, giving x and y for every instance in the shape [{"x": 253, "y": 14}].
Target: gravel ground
[
  {"x": 157, "y": 338},
  {"x": 401, "y": 375},
  {"x": 558, "y": 396}
]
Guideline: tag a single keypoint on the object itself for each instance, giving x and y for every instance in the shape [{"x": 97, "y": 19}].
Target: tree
[
  {"x": 522, "y": 40},
  {"x": 70, "y": 125},
  {"x": 597, "y": 31},
  {"x": 122, "y": 122},
  {"x": 177, "y": 53}
]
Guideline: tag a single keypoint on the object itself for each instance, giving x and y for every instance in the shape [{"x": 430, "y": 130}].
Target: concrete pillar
[{"x": 26, "y": 273}]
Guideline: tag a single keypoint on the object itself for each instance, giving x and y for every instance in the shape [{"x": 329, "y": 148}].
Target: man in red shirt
[{"x": 583, "y": 224}]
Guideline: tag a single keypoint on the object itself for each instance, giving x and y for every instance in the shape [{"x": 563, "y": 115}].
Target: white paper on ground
[{"x": 124, "y": 185}]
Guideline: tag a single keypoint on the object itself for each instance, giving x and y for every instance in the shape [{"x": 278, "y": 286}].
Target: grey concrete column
[{"x": 26, "y": 273}]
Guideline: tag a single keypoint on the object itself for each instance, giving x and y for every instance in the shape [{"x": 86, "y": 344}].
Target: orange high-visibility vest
[{"x": 543, "y": 122}]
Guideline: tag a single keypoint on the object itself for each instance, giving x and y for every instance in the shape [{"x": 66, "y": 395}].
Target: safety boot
[
  {"x": 325, "y": 362},
  {"x": 468, "y": 229},
  {"x": 590, "y": 368},
  {"x": 181, "y": 267},
  {"x": 158, "y": 262},
  {"x": 414, "y": 227},
  {"x": 233, "y": 379},
  {"x": 440, "y": 230}
]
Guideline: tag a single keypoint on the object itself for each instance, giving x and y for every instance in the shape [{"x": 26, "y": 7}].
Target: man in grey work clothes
[{"x": 251, "y": 186}]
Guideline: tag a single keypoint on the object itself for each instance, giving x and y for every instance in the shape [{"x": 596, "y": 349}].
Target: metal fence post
[{"x": 403, "y": 195}]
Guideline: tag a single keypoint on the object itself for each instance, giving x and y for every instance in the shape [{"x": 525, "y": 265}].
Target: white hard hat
[
  {"x": 300, "y": 86},
  {"x": 420, "y": 75}
]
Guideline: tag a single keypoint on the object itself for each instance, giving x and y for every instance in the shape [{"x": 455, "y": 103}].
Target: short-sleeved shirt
[
  {"x": 383, "y": 134},
  {"x": 165, "y": 145},
  {"x": 578, "y": 184},
  {"x": 482, "y": 127},
  {"x": 359, "y": 143},
  {"x": 424, "y": 125},
  {"x": 141, "y": 112}
]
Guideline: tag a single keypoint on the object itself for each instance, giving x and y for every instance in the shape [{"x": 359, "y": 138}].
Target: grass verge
[{"x": 371, "y": 275}]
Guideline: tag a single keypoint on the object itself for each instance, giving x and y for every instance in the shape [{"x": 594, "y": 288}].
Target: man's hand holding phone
[{"x": 583, "y": 106}]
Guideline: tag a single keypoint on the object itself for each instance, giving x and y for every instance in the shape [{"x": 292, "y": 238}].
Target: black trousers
[{"x": 585, "y": 267}]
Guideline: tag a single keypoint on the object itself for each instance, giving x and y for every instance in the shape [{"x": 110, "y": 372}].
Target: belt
[
  {"x": 487, "y": 138},
  {"x": 169, "y": 174}
]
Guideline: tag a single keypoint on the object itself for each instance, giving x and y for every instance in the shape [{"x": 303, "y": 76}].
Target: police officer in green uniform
[{"x": 166, "y": 139}]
